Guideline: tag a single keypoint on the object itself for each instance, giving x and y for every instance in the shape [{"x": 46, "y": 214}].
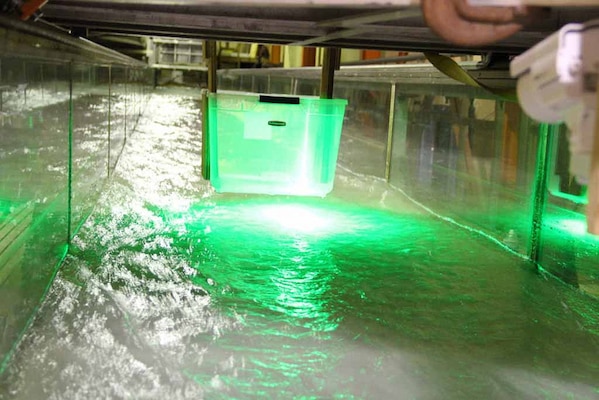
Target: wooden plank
[
  {"x": 13, "y": 235},
  {"x": 12, "y": 222},
  {"x": 11, "y": 266}
]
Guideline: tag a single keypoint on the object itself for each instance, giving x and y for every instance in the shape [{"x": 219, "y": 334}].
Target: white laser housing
[{"x": 557, "y": 81}]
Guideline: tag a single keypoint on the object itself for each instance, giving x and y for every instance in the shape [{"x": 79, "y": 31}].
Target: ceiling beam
[
  {"x": 300, "y": 23},
  {"x": 341, "y": 34},
  {"x": 372, "y": 18},
  {"x": 180, "y": 22},
  {"x": 258, "y": 3}
]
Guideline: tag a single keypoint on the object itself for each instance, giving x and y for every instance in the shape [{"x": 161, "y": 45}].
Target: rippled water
[{"x": 173, "y": 291}]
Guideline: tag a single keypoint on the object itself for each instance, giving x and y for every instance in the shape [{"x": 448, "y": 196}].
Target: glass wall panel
[
  {"x": 281, "y": 84},
  {"x": 118, "y": 113},
  {"x": 260, "y": 84},
  {"x": 36, "y": 145},
  {"x": 90, "y": 139},
  {"x": 468, "y": 157},
  {"x": 364, "y": 141},
  {"x": 135, "y": 80},
  {"x": 34, "y": 153},
  {"x": 566, "y": 249},
  {"x": 229, "y": 82},
  {"x": 307, "y": 87},
  {"x": 130, "y": 104}
]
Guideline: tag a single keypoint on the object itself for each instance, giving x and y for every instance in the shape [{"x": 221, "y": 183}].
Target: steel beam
[
  {"x": 301, "y": 22},
  {"x": 372, "y": 18},
  {"x": 179, "y": 22},
  {"x": 341, "y": 34},
  {"x": 260, "y": 3}
]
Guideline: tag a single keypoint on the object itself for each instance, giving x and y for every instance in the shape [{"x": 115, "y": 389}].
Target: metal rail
[{"x": 85, "y": 46}]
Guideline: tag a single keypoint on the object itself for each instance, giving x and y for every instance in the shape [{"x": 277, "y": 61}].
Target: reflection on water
[{"x": 173, "y": 291}]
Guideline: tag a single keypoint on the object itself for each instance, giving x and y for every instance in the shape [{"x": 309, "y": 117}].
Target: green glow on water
[
  {"x": 297, "y": 217},
  {"x": 6, "y": 207},
  {"x": 291, "y": 297},
  {"x": 265, "y": 217},
  {"x": 278, "y": 256}
]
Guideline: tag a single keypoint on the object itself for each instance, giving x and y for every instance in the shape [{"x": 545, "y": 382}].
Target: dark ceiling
[{"x": 366, "y": 24}]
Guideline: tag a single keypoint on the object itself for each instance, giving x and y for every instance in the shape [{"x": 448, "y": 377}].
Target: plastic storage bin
[{"x": 273, "y": 144}]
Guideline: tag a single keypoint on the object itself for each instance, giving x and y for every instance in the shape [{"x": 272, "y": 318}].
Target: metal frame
[
  {"x": 37, "y": 41},
  {"x": 373, "y": 24}
]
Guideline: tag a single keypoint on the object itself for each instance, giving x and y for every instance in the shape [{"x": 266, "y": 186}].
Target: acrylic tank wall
[
  {"x": 463, "y": 154},
  {"x": 65, "y": 113},
  {"x": 173, "y": 290}
]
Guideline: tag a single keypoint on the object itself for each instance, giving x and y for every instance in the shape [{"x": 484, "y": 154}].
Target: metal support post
[
  {"x": 331, "y": 63},
  {"x": 212, "y": 61},
  {"x": 547, "y": 133},
  {"x": 390, "y": 130}
]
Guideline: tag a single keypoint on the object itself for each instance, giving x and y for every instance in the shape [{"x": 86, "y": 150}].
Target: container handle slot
[
  {"x": 277, "y": 123},
  {"x": 279, "y": 99}
]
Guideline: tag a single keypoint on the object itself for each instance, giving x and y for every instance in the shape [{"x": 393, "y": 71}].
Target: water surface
[{"x": 173, "y": 291}]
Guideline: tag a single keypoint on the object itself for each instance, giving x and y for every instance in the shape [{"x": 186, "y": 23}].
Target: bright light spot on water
[{"x": 297, "y": 218}]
